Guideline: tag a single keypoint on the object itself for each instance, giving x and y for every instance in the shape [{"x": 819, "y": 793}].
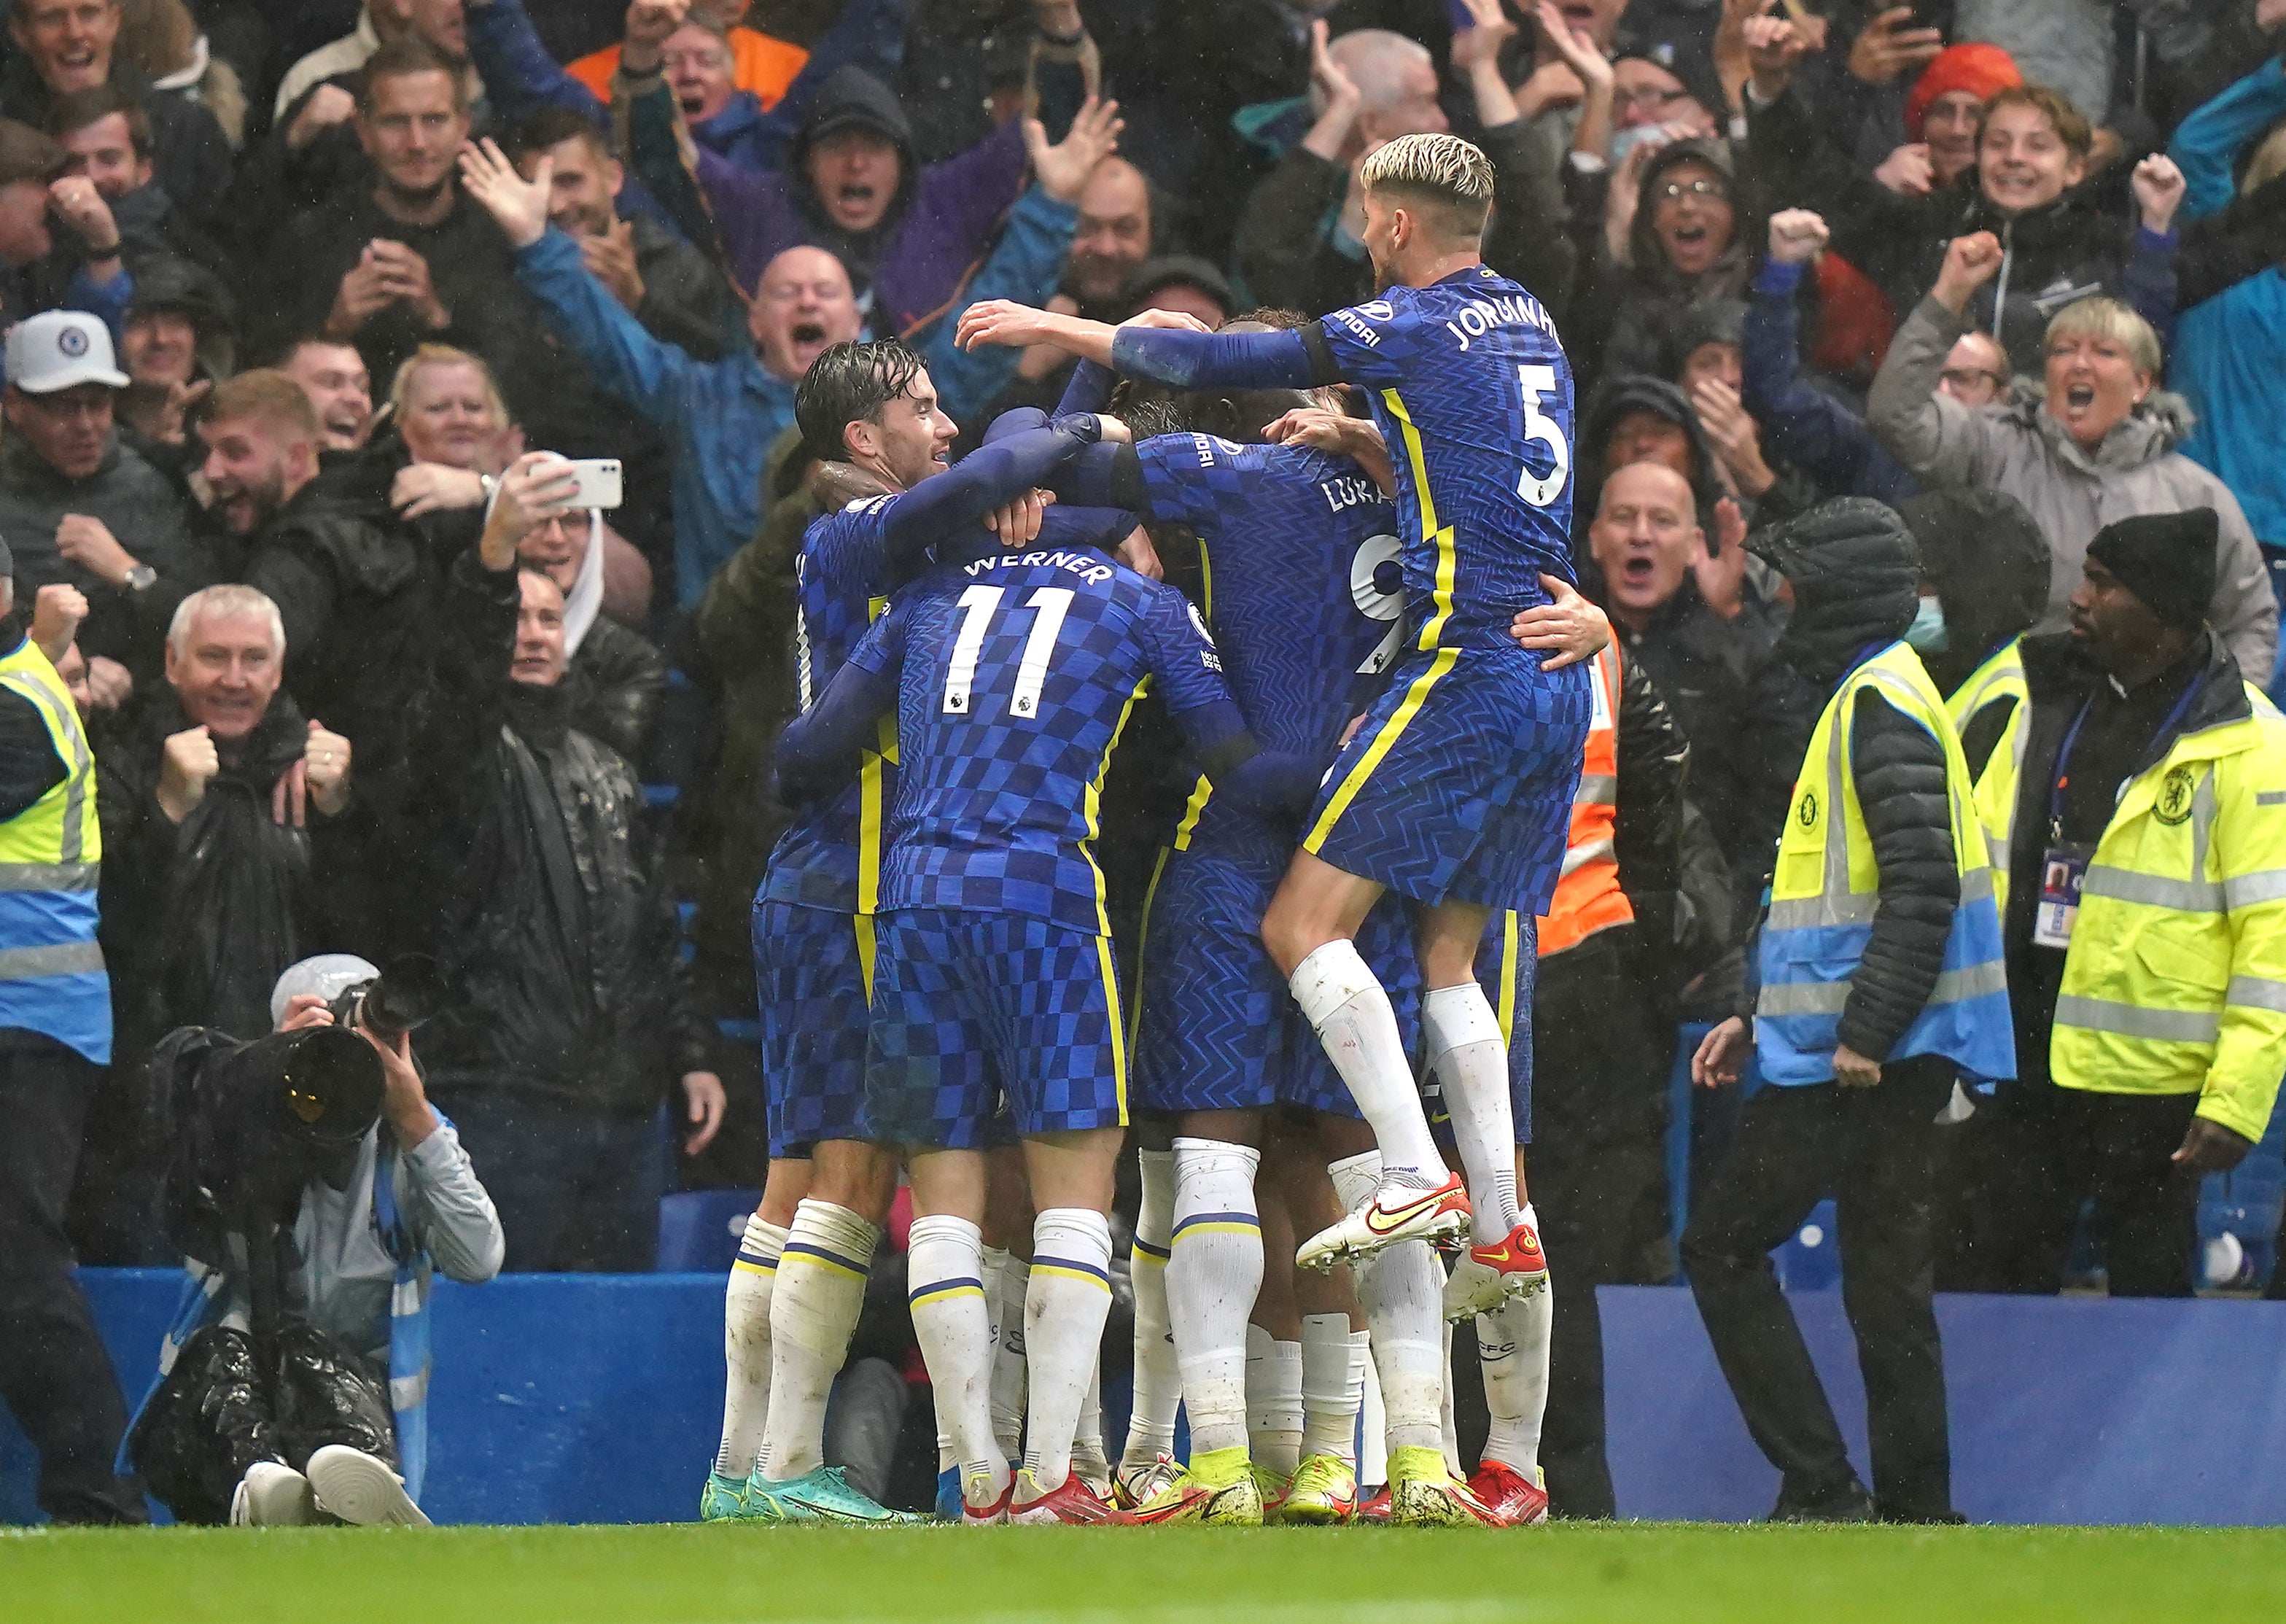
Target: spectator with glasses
[{"x": 1677, "y": 231}]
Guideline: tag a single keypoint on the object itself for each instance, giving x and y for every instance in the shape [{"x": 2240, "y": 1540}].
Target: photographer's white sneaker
[
  {"x": 358, "y": 1489},
  {"x": 272, "y": 1496}
]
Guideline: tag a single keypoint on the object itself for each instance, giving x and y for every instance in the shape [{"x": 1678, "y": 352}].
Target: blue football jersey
[
  {"x": 1470, "y": 386},
  {"x": 1304, "y": 590},
  {"x": 1015, "y": 673},
  {"x": 829, "y": 854}
]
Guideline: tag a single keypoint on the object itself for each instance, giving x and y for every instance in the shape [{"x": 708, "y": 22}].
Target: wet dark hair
[
  {"x": 850, "y": 383},
  {"x": 552, "y": 127}
]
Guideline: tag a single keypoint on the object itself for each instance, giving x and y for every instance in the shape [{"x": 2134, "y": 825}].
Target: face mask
[{"x": 1927, "y": 633}]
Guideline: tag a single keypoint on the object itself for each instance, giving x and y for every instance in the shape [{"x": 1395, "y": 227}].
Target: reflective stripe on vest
[
  {"x": 1998, "y": 679},
  {"x": 51, "y": 974},
  {"x": 1826, "y": 889},
  {"x": 2175, "y": 982},
  {"x": 1587, "y": 895}
]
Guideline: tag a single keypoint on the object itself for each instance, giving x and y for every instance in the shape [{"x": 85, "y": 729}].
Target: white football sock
[
  {"x": 1512, "y": 1346},
  {"x": 944, "y": 1264},
  {"x": 1158, "y": 1377},
  {"x": 1402, "y": 1290},
  {"x": 1351, "y": 1016},
  {"x": 1273, "y": 1400},
  {"x": 1088, "y": 1459},
  {"x": 1449, "y": 1428},
  {"x": 746, "y": 1346},
  {"x": 1214, "y": 1273},
  {"x": 1333, "y": 1385},
  {"x": 1008, "y": 1363},
  {"x": 1068, "y": 1295},
  {"x": 1373, "y": 1427},
  {"x": 814, "y": 1309},
  {"x": 1469, "y": 1057}
]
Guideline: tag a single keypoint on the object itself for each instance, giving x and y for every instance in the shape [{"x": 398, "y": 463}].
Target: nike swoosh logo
[{"x": 1402, "y": 1215}]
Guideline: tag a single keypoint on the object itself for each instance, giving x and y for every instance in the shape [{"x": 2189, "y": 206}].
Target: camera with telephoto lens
[{"x": 393, "y": 1003}]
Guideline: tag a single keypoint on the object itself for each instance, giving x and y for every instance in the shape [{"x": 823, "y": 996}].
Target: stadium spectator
[
  {"x": 2099, "y": 447},
  {"x": 232, "y": 827},
  {"x": 77, "y": 505},
  {"x": 2028, "y": 189},
  {"x": 369, "y": 1235},
  {"x": 402, "y": 259},
  {"x": 758, "y": 65},
  {"x": 1859, "y": 1041},
  {"x": 161, "y": 39},
  {"x": 1735, "y": 702},
  {"x": 2142, "y": 943},
  {"x": 179, "y": 339},
  {"x": 566, "y": 1028},
  {"x": 350, "y": 584},
  {"x": 1810, "y": 427},
  {"x": 907, "y": 234},
  {"x": 443, "y": 23},
  {"x": 55, "y": 1035},
  {"x": 108, "y": 137},
  {"x": 2229, "y": 352},
  {"x": 67, "y": 46},
  {"x": 1676, "y": 232},
  {"x": 658, "y": 278},
  {"x": 722, "y": 417},
  {"x": 35, "y": 181},
  {"x": 340, "y": 389},
  {"x": 613, "y": 675},
  {"x": 1299, "y": 242}
]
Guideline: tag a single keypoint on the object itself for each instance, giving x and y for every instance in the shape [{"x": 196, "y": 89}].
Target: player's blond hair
[{"x": 1442, "y": 170}]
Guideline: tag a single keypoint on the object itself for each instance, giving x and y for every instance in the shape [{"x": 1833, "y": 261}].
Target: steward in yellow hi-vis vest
[
  {"x": 1882, "y": 988},
  {"x": 55, "y": 1038},
  {"x": 51, "y": 974},
  {"x": 2146, "y": 928}
]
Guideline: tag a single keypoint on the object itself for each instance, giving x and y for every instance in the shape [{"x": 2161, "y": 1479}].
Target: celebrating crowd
[{"x": 417, "y": 429}]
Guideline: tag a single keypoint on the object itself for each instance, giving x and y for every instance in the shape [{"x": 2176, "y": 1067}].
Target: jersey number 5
[
  {"x": 1539, "y": 382},
  {"x": 1048, "y": 604}
]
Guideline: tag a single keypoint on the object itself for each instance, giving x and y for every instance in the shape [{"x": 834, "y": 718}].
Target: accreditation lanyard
[{"x": 2064, "y": 865}]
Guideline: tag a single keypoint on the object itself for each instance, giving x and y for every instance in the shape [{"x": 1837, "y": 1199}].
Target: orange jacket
[
  {"x": 759, "y": 63},
  {"x": 1587, "y": 897}
]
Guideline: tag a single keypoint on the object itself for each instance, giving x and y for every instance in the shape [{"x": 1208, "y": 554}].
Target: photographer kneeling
[{"x": 314, "y": 1189}]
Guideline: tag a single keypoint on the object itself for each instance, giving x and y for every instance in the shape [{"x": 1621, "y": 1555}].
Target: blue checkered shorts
[
  {"x": 1460, "y": 782},
  {"x": 972, "y": 1007},
  {"x": 1508, "y": 968},
  {"x": 809, "y": 977}
]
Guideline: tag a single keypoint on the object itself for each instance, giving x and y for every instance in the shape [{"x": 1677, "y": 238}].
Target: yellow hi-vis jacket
[
  {"x": 1996, "y": 681},
  {"x": 2175, "y": 980}
]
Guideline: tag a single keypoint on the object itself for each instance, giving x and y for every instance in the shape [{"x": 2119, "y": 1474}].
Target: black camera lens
[{"x": 327, "y": 1086}]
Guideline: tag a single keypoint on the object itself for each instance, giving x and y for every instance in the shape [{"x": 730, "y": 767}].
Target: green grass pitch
[{"x": 689, "y": 1574}]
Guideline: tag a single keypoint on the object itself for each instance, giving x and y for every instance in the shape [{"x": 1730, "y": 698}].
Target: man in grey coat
[{"x": 2091, "y": 444}]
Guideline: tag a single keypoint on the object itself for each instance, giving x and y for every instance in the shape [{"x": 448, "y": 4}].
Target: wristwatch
[{"x": 140, "y": 577}]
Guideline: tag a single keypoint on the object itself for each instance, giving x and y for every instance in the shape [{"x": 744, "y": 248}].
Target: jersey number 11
[{"x": 1049, "y": 605}]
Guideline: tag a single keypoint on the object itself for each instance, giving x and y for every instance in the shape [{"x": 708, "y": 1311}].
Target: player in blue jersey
[
  {"x": 1456, "y": 792},
  {"x": 798, "y": 1282},
  {"x": 1012, "y": 675},
  {"x": 1304, "y": 595}
]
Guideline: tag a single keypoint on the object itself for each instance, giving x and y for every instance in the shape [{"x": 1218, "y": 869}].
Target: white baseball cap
[{"x": 59, "y": 350}]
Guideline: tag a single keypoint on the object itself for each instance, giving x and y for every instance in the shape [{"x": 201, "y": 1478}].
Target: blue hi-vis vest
[
  {"x": 51, "y": 976},
  {"x": 1826, "y": 889}
]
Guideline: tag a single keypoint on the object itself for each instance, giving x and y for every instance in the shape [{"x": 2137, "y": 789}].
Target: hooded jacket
[
  {"x": 1856, "y": 572},
  {"x": 913, "y": 265},
  {"x": 2018, "y": 447},
  {"x": 1620, "y": 394},
  {"x": 548, "y": 907},
  {"x": 2076, "y": 246},
  {"x": 1988, "y": 563}
]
